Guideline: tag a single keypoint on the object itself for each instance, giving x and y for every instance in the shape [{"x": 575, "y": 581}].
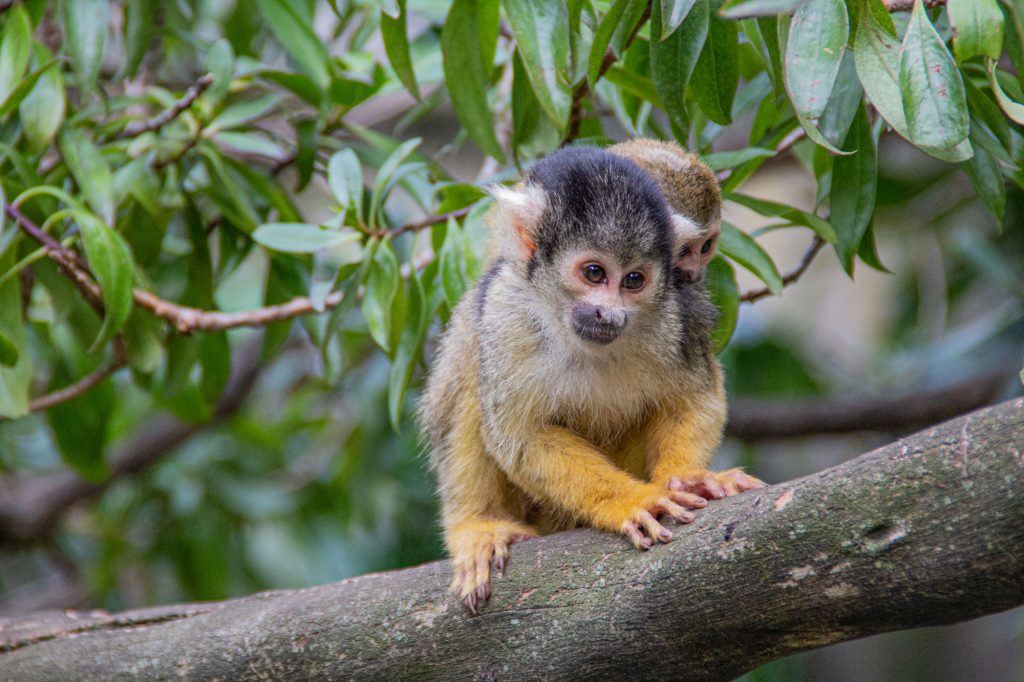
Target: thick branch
[
  {"x": 926, "y": 531},
  {"x": 762, "y": 419}
]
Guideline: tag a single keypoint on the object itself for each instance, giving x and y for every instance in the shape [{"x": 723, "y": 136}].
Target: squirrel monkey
[
  {"x": 693, "y": 196},
  {"x": 576, "y": 382}
]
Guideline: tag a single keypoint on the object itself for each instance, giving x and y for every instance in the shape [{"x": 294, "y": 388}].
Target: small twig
[
  {"x": 185, "y": 318},
  {"x": 45, "y": 402},
  {"x": 417, "y": 225},
  {"x": 66, "y": 259},
  {"x": 180, "y": 154},
  {"x": 6, "y": 5},
  {"x": 784, "y": 146},
  {"x": 792, "y": 276},
  {"x": 136, "y": 128},
  {"x": 580, "y": 92}
]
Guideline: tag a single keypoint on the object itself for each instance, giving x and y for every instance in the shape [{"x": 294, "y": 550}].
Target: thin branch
[
  {"x": 791, "y": 276},
  {"x": 160, "y": 164},
  {"x": 580, "y": 92},
  {"x": 45, "y": 402},
  {"x": 66, "y": 259},
  {"x": 136, "y": 128},
  {"x": 784, "y": 146},
  {"x": 187, "y": 319},
  {"x": 417, "y": 225}
]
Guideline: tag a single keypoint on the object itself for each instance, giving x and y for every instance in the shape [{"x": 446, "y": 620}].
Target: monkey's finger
[
  {"x": 746, "y": 481},
  {"x": 470, "y": 601},
  {"x": 500, "y": 560},
  {"x": 712, "y": 486},
  {"x": 653, "y": 528},
  {"x": 688, "y": 500},
  {"x": 639, "y": 540},
  {"x": 675, "y": 511}
]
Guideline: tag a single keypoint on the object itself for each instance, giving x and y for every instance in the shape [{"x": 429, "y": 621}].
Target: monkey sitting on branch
[{"x": 576, "y": 382}]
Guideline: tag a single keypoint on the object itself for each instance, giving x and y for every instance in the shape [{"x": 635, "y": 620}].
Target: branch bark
[{"x": 926, "y": 531}]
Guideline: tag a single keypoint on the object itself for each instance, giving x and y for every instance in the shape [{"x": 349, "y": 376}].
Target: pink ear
[{"x": 518, "y": 213}]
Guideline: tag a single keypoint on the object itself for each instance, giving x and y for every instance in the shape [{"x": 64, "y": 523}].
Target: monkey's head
[
  {"x": 593, "y": 238},
  {"x": 693, "y": 196}
]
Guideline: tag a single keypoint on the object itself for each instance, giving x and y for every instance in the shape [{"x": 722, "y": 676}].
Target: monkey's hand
[
  {"x": 473, "y": 545},
  {"x": 714, "y": 485},
  {"x": 636, "y": 515}
]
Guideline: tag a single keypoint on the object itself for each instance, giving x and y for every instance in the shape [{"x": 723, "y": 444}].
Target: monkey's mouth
[{"x": 596, "y": 332}]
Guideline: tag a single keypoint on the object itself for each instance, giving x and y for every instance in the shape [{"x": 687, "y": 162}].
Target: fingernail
[{"x": 665, "y": 535}]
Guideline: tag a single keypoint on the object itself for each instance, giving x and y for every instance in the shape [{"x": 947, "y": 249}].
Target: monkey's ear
[
  {"x": 518, "y": 212},
  {"x": 684, "y": 231}
]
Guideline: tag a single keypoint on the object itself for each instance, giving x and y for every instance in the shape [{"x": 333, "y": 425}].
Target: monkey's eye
[
  {"x": 707, "y": 246},
  {"x": 633, "y": 280},
  {"x": 594, "y": 273}
]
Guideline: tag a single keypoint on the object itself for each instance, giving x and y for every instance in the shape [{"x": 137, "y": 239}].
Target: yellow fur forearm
[{"x": 686, "y": 440}]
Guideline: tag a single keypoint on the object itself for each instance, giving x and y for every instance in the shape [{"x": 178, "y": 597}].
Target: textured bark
[{"x": 926, "y": 531}]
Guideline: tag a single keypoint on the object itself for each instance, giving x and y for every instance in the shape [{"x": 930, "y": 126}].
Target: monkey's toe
[
  {"x": 715, "y": 485},
  {"x": 473, "y": 546}
]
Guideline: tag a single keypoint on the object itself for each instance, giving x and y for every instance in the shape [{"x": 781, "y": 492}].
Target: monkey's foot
[
  {"x": 472, "y": 546},
  {"x": 714, "y": 485},
  {"x": 637, "y": 515}
]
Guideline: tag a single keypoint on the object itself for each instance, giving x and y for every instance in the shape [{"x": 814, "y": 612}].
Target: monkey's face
[
  {"x": 604, "y": 295},
  {"x": 695, "y": 255}
]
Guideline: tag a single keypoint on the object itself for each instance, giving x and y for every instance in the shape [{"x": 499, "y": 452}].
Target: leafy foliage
[{"x": 175, "y": 160}]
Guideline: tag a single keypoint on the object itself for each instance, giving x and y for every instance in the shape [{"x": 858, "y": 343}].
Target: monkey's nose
[
  {"x": 613, "y": 316},
  {"x": 692, "y": 276}
]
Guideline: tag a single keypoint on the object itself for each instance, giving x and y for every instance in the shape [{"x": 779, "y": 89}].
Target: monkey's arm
[
  {"x": 558, "y": 467},
  {"x": 681, "y": 443}
]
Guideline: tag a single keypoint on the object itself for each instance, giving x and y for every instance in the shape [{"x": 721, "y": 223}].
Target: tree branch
[
  {"x": 45, "y": 402},
  {"x": 30, "y": 506},
  {"x": 136, "y": 128},
  {"x": 926, "y": 531},
  {"x": 791, "y": 276},
  {"x": 908, "y": 5},
  {"x": 580, "y": 92},
  {"x": 758, "y": 419},
  {"x": 185, "y": 318}
]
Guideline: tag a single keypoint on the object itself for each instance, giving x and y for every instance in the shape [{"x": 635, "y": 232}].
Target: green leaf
[
  {"x": 142, "y": 341},
  {"x": 16, "y": 377},
  {"x": 1012, "y": 109},
  {"x": 673, "y": 59},
  {"x": 42, "y": 110},
  {"x": 877, "y": 58},
  {"x": 977, "y": 28},
  {"x": 452, "y": 270},
  {"x": 90, "y": 171},
  {"x": 541, "y": 31},
  {"x": 603, "y": 37},
  {"x": 393, "y": 30},
  {"x": 85, "y": 32},
  {"x": 305, "y": 153},
  {"x": 933, "y": 92},
  {"x": 739, "y": 246},
  {"x": 410, "y": 343},
  {"x": 215, "y": 363},
  {"x": 673, "y": 13},
  {"x": 111, "y": 262},
  {"x": 9, "y": 352},
  {"x": 23, "y": 88},
  {"x": 726, "y": 296},
  {"x": 717, "y": 73},
  {"x": 719, "y": 161},
  {"x": 381, "y": 287},
  {"x": 241, "y": 113},
  {"x": 345, "y": 178},
  {"x": 987, "y": 180},
  {"x": 387, "y": 169},
  {"x": 741, "y": 9},
  {"x": 220, "y": 63},
  {"x": 634, "y": 84},
  {"x": 464, "y": 72},
  {"x": 533, "y": 133},
  {"x": 793, "y": 215},
  {"x": 847, "y": 94},
  {"x": 140, "y": 20},
  {"x": 814, "y": 52},
  {"x": 300, "y": 237},
  {"x": 15, "y": 49},
  {"x": 853, "y": 194},
  {"x": 297, "y": 37}
]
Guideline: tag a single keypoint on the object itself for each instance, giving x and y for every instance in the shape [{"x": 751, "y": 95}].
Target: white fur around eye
[{"x": 684, "y": 229}]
